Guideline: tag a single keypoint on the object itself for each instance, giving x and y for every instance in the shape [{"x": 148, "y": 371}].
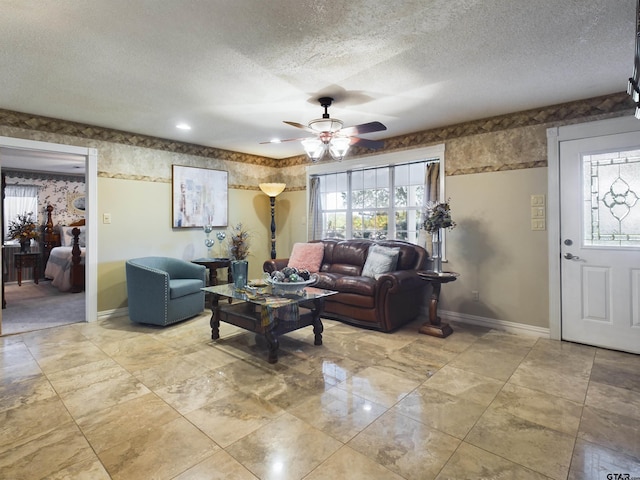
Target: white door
[{"x": 600, "y": 241}]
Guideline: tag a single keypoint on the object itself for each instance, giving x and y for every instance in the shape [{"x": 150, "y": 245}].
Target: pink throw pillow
[{"x": 307, "y": 256}]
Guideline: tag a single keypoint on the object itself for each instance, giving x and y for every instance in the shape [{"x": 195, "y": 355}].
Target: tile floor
[{"x": 116, "y": 400}]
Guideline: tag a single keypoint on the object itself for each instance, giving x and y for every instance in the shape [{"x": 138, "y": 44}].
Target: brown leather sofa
[{"x": 385, "y": 303}]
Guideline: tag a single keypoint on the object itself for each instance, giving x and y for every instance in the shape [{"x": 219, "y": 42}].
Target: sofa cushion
[
  {"x": 307, "y": 256},
  {"x": 380, "y": 260},
  {"x": 180, "y": 287},
  {"x": 326, "y": 280},
  {"x": 358, "y": 285}
]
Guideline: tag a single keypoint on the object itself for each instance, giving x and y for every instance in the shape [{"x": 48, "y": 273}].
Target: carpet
[{"x": 34, "y": 307}]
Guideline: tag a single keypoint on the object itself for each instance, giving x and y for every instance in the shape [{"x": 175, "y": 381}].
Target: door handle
[{"x": 570, "y": 256}]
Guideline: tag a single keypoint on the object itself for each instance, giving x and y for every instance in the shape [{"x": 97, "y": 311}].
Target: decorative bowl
[{"x": 290, "y": 287}]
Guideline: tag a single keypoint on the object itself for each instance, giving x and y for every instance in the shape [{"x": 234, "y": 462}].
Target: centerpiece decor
[
  {"x": 23, "y": 229},
  {"x": 238, "y": 253},
  {"x": 289, "y": 280},
  {"x": 436, "y": 218}
]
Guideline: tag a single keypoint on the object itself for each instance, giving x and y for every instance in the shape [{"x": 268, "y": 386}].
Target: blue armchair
[{"x": 164, "y": 290}]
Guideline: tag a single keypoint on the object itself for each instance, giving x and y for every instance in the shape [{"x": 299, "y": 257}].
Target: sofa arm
[
  {"x": 399, "y": 296},
  {"x": 182, "y": 269},
  {"x": 400, "y": 280},
  {"x": 147, "y": 293},
  {"x": 273, "y": 265},
  {"x": 143, "y": 277}
]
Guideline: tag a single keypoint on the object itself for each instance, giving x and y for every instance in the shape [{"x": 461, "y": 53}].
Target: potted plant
[
  {"x": 238, "y": 239},
  {"x": 23, "y": 229},
  {"x": 437, "y": 216}
]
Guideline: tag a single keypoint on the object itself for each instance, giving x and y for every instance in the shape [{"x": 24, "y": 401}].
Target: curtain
[
  {"x": 19, "y": 199},
  {"x": 431, "y": 195},
  {"x": 315, "y": 207},
  {"x": 432, "y": 182}
]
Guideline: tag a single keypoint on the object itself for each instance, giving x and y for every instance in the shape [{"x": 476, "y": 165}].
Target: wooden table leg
[
  {"x": 274, "y": 344},
  {"x": 318, "y": 328},
  {"x": 215, "y": 317},
  {"x": 434, "y": 326}
]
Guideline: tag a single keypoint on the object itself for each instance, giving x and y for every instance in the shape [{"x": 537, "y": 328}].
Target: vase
[
  {"x": 239, "y": 270},
  {"x": 436, "y": 251},
  {"x": 25, "y": 246}
]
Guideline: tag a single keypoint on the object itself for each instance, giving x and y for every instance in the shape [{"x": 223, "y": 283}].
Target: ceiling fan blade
[
  {"x": 299, "y": 125},
  {"x": 285, "y": 140},
  {"x": 362, "y": 129},
  {"x": 366, "y": 143}
]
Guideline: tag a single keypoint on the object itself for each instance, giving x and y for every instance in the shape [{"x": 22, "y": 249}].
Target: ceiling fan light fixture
[
  {"x": 338, "y": 147},
  {"x": 326, "y": 125},
  {"x": 314, "y": 147}
]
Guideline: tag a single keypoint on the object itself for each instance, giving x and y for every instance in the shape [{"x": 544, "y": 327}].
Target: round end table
[{"x": 434, "y": 326}]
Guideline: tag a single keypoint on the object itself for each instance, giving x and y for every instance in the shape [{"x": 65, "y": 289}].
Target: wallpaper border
[{"x": 616, "y": 104}]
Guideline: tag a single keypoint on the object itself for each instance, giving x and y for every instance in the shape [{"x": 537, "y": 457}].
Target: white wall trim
[
  {"x": 114, "y": 313},
  {"x": 510, "y": 327},
  {"x": 91, "y": 216},
  {"x": 503, "y": 325}
]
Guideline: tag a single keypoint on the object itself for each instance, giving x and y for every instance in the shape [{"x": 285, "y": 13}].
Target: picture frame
[
  {"x": 200, "y": 197},
  {"x": 76, "y": 203}
]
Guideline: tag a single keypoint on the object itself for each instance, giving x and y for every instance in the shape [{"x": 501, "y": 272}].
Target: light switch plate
[
  {"x": 538, "y": 224},
  {"x": 537, "y": 200},
  {"x": 537, "y": 212}
]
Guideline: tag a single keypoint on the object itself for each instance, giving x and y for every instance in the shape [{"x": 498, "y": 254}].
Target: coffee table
[{"x": 261, "y": 311}]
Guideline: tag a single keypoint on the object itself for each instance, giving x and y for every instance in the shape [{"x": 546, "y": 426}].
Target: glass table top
[{"x": 262, "y": 295}]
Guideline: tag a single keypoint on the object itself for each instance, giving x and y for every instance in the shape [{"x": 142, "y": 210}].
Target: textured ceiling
[{"x": 234, "y": 70}]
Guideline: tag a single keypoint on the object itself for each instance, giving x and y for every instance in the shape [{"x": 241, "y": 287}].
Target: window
[
  {"x": 19, "y": 199},
  {"x": 611, "y": 198},
  {"x": 382, "y": 199}
]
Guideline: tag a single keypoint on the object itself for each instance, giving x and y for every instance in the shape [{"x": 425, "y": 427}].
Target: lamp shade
[
  {"x": 314, "y": 147},
  {"x": 338, "y": 147},
  {"x": 272, "y": 189}
]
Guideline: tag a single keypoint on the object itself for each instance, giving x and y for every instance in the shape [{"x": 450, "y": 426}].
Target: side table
[
  {"x": 434, "y": 326},
  {"x": 27, "y": 260},
  {"x": 213, "y": 264}
]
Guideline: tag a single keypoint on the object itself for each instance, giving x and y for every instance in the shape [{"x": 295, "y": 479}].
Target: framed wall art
[
  {"x": 200, "y": 197},
  {"x": 76, "y": 203}
]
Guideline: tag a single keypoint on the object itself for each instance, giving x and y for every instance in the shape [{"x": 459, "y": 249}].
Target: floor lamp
[{"x": 272, "y": 190}]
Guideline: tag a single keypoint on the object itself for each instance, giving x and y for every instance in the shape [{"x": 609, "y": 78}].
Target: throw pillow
[
  {"x": 307, "y": 256},
  {"x": 380, "y": 260}
]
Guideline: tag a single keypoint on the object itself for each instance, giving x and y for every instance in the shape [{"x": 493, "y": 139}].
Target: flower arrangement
[
  {"x": 437, "y": 216},
  {"x": 23, "y": 228},
  {"x": 239, "y": 243}
]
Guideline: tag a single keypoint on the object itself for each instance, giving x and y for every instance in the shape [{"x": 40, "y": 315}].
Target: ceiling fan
[{"x": 330, "y": 134}]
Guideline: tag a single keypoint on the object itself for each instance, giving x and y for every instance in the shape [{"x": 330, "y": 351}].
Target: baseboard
[
  {"x": 117, "y": 312},
  {"x": 510, "y": 327}
]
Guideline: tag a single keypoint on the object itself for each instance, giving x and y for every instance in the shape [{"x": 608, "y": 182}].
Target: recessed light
[
  {"x": 275, "y": 140},
  {"x": 183, "y": 126}
]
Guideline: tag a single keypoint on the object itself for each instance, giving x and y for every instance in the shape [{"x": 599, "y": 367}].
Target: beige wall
[
  {"x": 494, "y": 249},
  {"x": 141, "y": 226}
]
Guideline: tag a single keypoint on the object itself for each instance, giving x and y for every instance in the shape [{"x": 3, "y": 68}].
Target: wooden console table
[
  {"x": 434, "y": 326},
  {"x": 27, "y": 260}
]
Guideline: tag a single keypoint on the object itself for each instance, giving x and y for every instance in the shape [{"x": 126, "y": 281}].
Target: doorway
[
  {"x": 594, "y": 233},
  {"x": 90, "y": 158}
]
